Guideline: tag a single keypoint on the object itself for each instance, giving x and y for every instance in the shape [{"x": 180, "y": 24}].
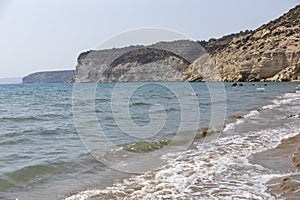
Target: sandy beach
[{"x": 283, "y": 160}]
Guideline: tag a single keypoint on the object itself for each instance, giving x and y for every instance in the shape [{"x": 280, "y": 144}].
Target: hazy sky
[{"x": 38, "y": 35}]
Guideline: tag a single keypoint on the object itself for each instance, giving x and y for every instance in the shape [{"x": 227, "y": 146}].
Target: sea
[{"x": 142, "y": 140}]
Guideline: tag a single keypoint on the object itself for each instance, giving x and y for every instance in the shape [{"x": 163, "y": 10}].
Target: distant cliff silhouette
[{"x": 49, "y": 77}]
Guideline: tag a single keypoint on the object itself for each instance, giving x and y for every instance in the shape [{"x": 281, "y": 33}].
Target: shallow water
[{"x": 42, "y": 156}]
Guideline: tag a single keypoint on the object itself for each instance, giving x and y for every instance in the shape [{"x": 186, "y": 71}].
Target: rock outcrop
[
  {"x": 146, "y": 65},
  {"x": 163, "y": 61},
  {"x": 49, "y": 77},
  {"x": 269, "y": 53}
]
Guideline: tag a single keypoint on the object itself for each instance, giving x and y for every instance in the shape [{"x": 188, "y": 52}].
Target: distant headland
[{"x": 49, "y": 77}]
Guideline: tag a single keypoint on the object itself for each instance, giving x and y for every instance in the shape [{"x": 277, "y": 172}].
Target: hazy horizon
[{"x": 49, "y": 35}]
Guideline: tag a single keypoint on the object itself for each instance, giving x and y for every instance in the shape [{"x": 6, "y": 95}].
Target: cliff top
[{"x": 286, "y": 25}]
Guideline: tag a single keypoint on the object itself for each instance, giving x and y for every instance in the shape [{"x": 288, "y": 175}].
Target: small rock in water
[
  {"x": 294, "y": 116},
  {"x": 201, "y": 133},
  {"x": 238, "y": 116},
  {"x": 234, "y": 84}
]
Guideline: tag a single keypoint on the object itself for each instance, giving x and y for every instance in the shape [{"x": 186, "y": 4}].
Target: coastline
[
  {"x": 223, "y": 165},
  {"x": 284, "y": 161},
  {"x": 240, "y": 179}
]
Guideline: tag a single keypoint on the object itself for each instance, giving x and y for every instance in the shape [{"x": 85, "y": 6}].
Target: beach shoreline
[{"x": 284, "y": 161}]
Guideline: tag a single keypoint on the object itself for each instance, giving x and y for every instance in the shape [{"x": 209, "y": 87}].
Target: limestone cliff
[
  {"x": 165, "y": 62},
  {"x": 49, "y": 77},
  {"x": 146, "y": 64},
  {"x": 269, "y": 53}
]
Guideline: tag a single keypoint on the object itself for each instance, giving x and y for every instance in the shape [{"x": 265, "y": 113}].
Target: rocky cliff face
[
  {"x": 269, "y": 53},
  {"x": 163, "y": 61},
  {"x": 146, "y": 64},
  {"x": 49, "y": 77}
]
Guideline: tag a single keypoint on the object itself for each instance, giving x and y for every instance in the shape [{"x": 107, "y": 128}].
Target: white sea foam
[
  {"x": 285, "y": 99},
  {"x": 251, "y": 114},
  {"x": 231, "y": 126},
  {"x": 261, "y": 89},
  {"x": 292, "y": 96},
  {"x": 269, "y": 107}
]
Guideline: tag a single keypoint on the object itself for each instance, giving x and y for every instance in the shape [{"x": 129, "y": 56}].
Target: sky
[{"x": 47, "y": 35}]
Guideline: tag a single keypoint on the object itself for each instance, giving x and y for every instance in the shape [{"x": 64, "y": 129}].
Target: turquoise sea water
[{"x": 42, "y": 156}]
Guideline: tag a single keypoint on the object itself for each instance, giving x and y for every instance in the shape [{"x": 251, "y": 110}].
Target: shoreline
[{"x": 284, "y": 161}]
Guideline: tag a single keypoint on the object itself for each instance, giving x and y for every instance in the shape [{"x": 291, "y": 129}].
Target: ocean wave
[
  {"x": 278, "y": 101},
  {"x": 292, "y": 96},
  {"x": 140, "y": 104},
  {"x": 15, "y": 141},
  {"x": 285, "y": 99},
  {"x": 102, "y": 100},
  {"x": 168, "y": 110},
  {"x": 145, "y": 146},
  {"x": 6, "y": 185},
  {"x": 30, "y": 174},
  {"x": 240, "y": 119},
  {"x": 231, "y": 126},
  {"x": 260, "y": 89},
  {"x": 251, "y": 114},
  {"x": 21, "y": 118}
]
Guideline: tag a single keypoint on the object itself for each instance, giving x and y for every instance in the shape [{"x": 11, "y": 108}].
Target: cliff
[
  {"x": 49, "y": 77},
  {"x": 163, "y": 59},
  {"x": 269, "y": 53},
  {"x": 146, "y": 64}
]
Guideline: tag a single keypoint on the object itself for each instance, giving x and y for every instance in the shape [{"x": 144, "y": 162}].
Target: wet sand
[{"x": 283, "y": 160}]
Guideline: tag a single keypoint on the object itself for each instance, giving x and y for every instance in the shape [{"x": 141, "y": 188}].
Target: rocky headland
[
  {"x": 269, "y": 53},
  {"x": 49, "y": 77},
  {"x": 146, "y": 65},
  {"x": 163, "y": 61}
]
